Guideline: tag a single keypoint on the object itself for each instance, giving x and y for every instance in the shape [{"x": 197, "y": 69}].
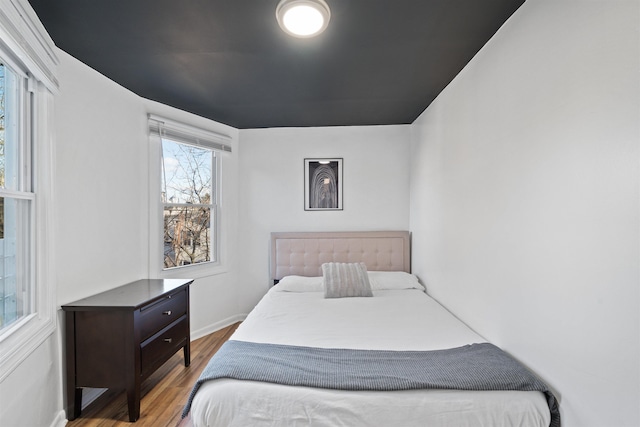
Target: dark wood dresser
[{"x": 117, "y": 338}]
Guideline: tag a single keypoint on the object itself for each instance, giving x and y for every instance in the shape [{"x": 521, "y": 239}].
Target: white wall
[
  {"x": 101, "y": 183},
  {"x": 376, "y": 188},
  {"x": 32, "y": 394},
  {"x": 525, "y": 201}
]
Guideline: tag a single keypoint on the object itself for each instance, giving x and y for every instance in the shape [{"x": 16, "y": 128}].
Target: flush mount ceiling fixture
[{"x": 303, "y": 18}]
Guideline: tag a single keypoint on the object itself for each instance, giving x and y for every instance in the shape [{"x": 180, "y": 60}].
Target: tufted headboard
[{"x": 303, "y": 253}]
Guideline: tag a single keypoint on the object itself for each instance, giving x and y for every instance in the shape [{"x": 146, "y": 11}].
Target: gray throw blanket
[{"x": 471, "y": 367}]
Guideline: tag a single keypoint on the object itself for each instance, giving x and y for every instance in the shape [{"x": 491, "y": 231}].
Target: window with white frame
[
  {"x": 28, "y": 83},
  {"x": 190, "y": 183}
]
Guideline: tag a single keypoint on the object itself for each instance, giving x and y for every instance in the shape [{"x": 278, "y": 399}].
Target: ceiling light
[{"x": 303, "y": 18}]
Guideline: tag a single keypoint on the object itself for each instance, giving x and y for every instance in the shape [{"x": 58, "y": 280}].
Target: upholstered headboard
[{"x": 303, "y": 254}]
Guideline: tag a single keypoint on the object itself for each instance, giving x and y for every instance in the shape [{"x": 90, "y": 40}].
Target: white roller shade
[{"x": 186, "y": 134}]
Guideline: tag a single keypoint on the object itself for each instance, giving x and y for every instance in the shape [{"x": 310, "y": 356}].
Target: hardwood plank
[{"x": 164, "y": 393}]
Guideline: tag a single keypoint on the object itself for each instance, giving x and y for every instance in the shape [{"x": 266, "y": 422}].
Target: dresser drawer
[
  {"x": 162, "y": 313},
  {"x": 157, "y": 349}
]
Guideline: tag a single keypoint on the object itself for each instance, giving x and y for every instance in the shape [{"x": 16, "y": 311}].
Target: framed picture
[{"x": 322, "y": 184}]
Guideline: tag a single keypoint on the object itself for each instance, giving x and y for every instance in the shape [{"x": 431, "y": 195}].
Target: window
[
  {"x": 189, "y": 200},
  {"x": 28, "y": 82},
  {"x": 16, "y": 200},
  {"x": 187, "y": 232}
]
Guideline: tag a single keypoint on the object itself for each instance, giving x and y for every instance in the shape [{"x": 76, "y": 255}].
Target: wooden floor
[{"x": 164, "y": 393}]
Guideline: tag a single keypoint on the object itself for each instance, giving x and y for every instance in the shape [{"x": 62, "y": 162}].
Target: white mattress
[{"x": 391, "y": 320}]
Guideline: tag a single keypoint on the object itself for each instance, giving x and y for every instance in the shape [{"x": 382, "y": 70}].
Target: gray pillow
[{"x": 345, "y": 280}]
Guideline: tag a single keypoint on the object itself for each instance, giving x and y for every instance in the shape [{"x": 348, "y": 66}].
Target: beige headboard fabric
[{"x": 303, "y": 253}]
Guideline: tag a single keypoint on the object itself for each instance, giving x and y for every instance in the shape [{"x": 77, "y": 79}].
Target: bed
[{"x": 307, "y": 344}]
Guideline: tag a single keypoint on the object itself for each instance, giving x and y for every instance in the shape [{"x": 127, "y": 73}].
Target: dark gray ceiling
[{"x": 379, "y": 62}]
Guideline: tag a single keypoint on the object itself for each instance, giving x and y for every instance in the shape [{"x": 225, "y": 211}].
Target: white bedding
[{"x": 404, "y": 319}]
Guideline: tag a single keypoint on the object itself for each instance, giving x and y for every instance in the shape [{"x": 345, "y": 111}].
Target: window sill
[
  {"x": 17, "y": 344},
  {"x": 197, "y": 271}
]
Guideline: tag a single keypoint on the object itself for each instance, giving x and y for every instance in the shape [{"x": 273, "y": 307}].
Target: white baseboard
[
  {"x": 60, "y": 420},
  {"x": 217, "y": 326},
  {"x": 88, "y": 396}
]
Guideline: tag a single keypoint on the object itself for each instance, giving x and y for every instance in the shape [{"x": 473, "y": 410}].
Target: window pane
[
  {"x": 187, "y": 173},
  {"x": 187, "y": 235},
  {"x": 8, "y": 129},
  {"x": 14, "y": 270}
]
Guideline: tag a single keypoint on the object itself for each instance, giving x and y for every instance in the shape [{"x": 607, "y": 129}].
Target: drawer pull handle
[
  {"x": 169, "y": 340},
  {"x": 167, "y": 313}
]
